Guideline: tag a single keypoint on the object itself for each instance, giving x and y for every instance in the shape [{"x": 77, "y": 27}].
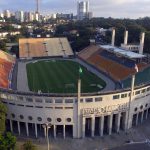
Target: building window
[
  {"x": 38, "y": 100},
  {"x": 137, "y": 92},
  {"x": 13, "y": 115},
  {"x": 49, "y": 107},
  {"x": 29, "y": 99},
  {"x": 4, "y": 96},
  {"x": 141, "y": 107},
  {"x": 29, "y": 106},
  {"x": 12, "y": 103},
  {"x": 39, "y": 119},
  {"x": 143, "y": 91},
  {"x": 58, "y": 100},
  {"x": 38, "y": 106},
  {"x": 116, "y": 96},
  {"x": 76, "y": 100},
  {"x": 30, "y": 118},
  {"x": 69, "y": 101},
  {"x": 81, "y": 100},
  {"x": 58, "y": 107},
  {"x": 89, "y": 100},
  {"x": 48, "y": 101},
  {"x": 68, "y": 107},
  {"x": 98, "y": 99},
  {"x": 68, "y": 119},
  {"x": 20, "y": 105},
  {"x": 20, "y": 98},
  {"x": 148, "y": 89},
  {"x": 49, "y": 119},
  {"x": 135, "y": 109},
  {"x": 123, "y": 95},
  {"x": 21, "y": 117},
  {"x": 58, "y": 119},
  {"x": 11, "y": 97}
]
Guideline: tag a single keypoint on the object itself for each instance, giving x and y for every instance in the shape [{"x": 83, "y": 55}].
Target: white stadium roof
[{"x": 122, "y": 52}]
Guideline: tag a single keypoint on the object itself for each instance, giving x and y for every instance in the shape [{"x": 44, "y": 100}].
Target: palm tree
[{"x": 29, "y": 146}]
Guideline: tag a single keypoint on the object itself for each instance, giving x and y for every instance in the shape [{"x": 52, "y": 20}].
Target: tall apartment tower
[
  {"x": 7, "y": 13},
  {"x": 19, "y": 15},
  {"x": 83, "y": 10}
]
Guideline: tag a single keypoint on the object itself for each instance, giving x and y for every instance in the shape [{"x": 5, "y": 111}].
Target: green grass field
[{"x": 61, "y": 76}]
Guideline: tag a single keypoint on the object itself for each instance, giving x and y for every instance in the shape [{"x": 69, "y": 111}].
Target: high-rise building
[
  {"x": 7, "y": 13},
  {"x": 65, "y": 16},
  {"x": 19, "y": 15},
  {"x": 37, "y": 16},
  {"x": 83, "y": 10},
  {"x": 31, "y": 16},
  {"x": 90, "y": 15},
  {"x": 28, "y": 16},
  {"x": 1, "y": 15},
  {"x": 54, "y": 16}
]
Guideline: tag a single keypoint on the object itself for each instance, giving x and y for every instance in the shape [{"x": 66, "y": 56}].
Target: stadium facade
[
  {"x": 78, "y": 116},
  {"x": 73, "y": 115}
]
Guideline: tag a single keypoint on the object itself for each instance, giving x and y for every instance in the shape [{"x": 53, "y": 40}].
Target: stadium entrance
[{"x": 103, "y": 125}]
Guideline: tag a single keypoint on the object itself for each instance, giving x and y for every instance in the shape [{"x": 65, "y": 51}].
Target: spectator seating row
[
  {"x": 113, "y": 69},
  {"x": 88, "y": 51},
  {"x": 113, "y": 66},
  {"x": 6, "y": 64},
  {"x": 124, "y": 61},
  {"x": 41, "y": 47}
]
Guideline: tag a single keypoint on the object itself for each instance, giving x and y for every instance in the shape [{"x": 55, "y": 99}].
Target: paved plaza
[{"x": 139, "y": 135}]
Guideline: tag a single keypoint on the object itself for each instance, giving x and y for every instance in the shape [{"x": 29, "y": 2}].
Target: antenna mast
[{"x": 37, "y": 6}]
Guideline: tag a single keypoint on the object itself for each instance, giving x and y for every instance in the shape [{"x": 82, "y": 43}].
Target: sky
[{"x": 100, "y": 8}]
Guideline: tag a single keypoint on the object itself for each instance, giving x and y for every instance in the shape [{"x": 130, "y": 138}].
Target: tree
[
  {"x": 7, "y": 142},
  {"x": 3, "y": 111},
  {"x": 10, "y": 141},
  {"x": 2, "y": 45},
  {"x": 29, "y": 146},
  {"x": 15, "y": 50}
]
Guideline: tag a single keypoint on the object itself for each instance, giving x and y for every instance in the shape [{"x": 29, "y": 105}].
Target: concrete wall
[{"x": 66, "y": 107}]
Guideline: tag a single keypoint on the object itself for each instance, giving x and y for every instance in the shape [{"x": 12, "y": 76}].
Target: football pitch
[{"x": 61, "y": 76}]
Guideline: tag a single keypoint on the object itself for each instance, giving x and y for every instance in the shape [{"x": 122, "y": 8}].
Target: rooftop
[{"x": 125, "y": 53}]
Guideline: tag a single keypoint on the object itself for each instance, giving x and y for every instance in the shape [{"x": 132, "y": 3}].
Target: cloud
[{"x": 101, "y": 8}]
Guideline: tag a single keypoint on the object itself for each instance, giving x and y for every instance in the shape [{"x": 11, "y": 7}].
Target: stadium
[{"x": 79, "y": 95}]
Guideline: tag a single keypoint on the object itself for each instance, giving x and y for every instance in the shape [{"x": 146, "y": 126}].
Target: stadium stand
[
  {"x": 115, "y": 67},
  {"x": 6, "y": 66},
  {"x": 42, "y": 47},
  {"x": 6, "y": 56},
  {"x": 126, "y": 62},
  {"x": 88, "y": 51}
]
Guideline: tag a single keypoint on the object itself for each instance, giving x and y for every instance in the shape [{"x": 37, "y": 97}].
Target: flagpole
[
  {"x": 78, "y": 102},
  {"x": 130, "y": 99},
  {"x": 131, "y": 94}
]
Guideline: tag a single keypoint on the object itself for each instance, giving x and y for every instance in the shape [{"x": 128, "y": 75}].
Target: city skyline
[{"x": 103, "y": 8}]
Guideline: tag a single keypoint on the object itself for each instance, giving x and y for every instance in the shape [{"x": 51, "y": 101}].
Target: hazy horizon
[{"x": 100, "y": 8}]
